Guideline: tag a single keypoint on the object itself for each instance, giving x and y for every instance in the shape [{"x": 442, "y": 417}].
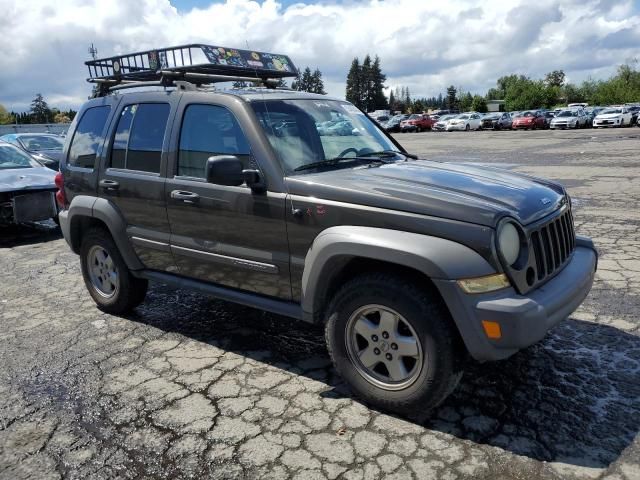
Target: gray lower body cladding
[
  {"x": 25, "y": 206},
  {"x": 523, "y": 319}
]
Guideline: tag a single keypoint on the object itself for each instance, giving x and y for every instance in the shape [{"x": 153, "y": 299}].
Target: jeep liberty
[{"x": 411, "y": 265}]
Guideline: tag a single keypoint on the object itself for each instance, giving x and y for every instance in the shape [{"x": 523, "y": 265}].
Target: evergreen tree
[
  {"x": 392, "y": 100},
  {"x": 451, "y": 97},
  {"x": 377, "y": 86},
  {"x": 317, "y": 85},
  {"x": 407, "y": 97},
  {"x": 240, "y": 84},
  {"x": 40, "y": 111},
  {"x": 366, "y": 76},
  {"x": 354, "y": 84}
]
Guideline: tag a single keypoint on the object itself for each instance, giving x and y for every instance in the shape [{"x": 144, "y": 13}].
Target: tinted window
[
  {"x": 137, "y": 144},
  {"x": 88, "y": 136},
  {"x": 209, "y": 130}
]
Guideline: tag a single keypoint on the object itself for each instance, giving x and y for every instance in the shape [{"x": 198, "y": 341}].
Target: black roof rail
[{"x": 194, "y": 63}]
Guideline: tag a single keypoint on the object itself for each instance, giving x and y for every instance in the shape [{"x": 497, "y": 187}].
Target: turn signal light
[{"x": 492, "y": 329}]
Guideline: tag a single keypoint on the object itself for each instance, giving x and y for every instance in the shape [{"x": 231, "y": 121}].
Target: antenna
[{"x": 93, "y": 51}]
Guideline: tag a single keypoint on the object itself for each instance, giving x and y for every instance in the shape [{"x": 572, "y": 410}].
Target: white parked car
[
  {"x": 464, "y": 121},
  {"x": 442, "y": 122},
  {"x": 613, "y": 117}
]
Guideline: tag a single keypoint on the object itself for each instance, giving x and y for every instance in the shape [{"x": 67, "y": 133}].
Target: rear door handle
[
  {"x": 186, "y": 197},
  {"x": 109, "y": 185}
]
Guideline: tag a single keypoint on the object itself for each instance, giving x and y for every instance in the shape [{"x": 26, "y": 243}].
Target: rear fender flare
[{"x": 83, "y": 206}]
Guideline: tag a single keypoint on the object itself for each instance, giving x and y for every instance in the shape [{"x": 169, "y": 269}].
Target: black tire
[
  {"x": 131, "y": 291},
  {"x": 444, "y": 356},
  {"x": 467, "y": 128}
]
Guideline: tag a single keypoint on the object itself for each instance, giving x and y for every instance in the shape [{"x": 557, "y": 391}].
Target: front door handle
[
  {"x": 109, "y": 185},
  {"x": 186, "y": 197}
]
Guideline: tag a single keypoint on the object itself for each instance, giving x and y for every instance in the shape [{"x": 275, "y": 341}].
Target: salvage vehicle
[
  {"x": 27, "y": 188},
  {"x": 566, "y": 119},
  {"x": 528, "y": 120},
  {"x": 44, "y": 148},
  {"x": 465, "y": 121},
  {"x": 613, "y": 117},
  {"x": 442, "y": 122},
  {"x": 412, "y": 266},
  {"x": 416, "y": 123},
  {"x": 496, "y": 121}
]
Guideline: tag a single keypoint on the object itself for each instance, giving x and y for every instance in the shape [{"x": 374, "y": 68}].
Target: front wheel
[
  {"x": 107, "y": 276},
  {"x": 467, "y": 128},
  {"x": 393, "y": 343}
]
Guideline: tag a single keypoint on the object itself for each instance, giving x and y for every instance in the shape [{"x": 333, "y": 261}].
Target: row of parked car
[{"x": 570, "y": 117}]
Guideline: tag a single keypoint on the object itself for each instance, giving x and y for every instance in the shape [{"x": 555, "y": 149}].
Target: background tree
[
  {"x": 40, "y": 112},
  {"x": 365, "y": 85},
  {"x": 240, "y": 84},
  {"x": 317, "y": 85},
  {"x": 479, "y": 104},
  {"x": 451, "y": 97},
  {"x": 555, "y": 78},
  {"x": 5, "y": 117}
]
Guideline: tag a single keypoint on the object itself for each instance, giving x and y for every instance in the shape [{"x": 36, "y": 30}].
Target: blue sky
[{"x": 425, "y": 45}]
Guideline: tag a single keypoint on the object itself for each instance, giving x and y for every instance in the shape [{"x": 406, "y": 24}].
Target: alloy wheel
[{"x": 384, "y": 347}]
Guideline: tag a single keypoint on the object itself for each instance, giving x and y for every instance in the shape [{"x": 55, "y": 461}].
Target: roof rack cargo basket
[{"x": 196, "y": 63}]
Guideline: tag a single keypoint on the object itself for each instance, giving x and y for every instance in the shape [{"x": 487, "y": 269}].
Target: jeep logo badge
[{"x": 545, "y": 201}]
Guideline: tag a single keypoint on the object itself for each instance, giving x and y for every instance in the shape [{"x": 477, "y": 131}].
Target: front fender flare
[{"x": 435, "y": 257}]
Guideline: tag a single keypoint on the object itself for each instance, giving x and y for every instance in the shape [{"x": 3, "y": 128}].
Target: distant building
[{"x": 495, "y": 105}]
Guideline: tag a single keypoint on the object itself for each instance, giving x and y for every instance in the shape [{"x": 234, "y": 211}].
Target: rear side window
[
  {"x": 137, "y": 144},
  {"x": 88, "y": 137},
  {"x": 209, "y": 130}
]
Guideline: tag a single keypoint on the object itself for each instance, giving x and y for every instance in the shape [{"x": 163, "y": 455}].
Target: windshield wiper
[
  {"x": 389, "y": 153},
  {"x": 329, "y": 162}
]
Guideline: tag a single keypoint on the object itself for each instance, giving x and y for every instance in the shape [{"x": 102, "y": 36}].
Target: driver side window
[{"x": 209, "y": 130}]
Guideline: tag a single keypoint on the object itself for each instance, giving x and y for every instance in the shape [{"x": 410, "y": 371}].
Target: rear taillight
[{"x": 60, "y": 197}]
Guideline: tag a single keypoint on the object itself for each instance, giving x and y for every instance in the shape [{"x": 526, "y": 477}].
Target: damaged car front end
[{"x": 26, "y": 188}]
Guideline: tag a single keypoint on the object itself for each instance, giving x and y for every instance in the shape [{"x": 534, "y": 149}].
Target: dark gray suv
[{"x": 411, "y": 265}]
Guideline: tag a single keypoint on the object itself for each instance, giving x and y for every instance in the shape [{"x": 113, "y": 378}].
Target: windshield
[
  {"x": 566, "y": 113},
  {"x": 35, "y": 143},
  {"x": 415, "y": 117},
  {"x": 308, "y": 131},
  {"x": 446, "y": 117},
  {"x": 12, "y": 157},
  {"x": 611, "y": 110}
]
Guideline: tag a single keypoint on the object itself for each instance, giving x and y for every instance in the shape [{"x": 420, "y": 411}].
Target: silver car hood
[{"x": 35, "y": 178}]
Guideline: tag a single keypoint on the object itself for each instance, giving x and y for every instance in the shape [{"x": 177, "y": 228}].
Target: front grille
[{"x": 553, "y": 244}]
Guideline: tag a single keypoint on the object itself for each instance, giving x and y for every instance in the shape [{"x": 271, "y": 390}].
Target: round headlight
[{"x": 509, "y": 242}]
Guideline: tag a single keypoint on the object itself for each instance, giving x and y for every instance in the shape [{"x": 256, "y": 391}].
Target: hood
[
  {"x": 523, "y": 119},
  {"x": 469, "y": 193},
  {"x": 37, "y": 178}
]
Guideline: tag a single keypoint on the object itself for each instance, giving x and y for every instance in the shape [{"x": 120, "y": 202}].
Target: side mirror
[
  {"x": 225, "y": 170},
  {"x": 254, "y": 180}
]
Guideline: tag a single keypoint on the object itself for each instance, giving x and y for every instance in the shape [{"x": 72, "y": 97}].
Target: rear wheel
[
  {"x": 393, "y": 343},
  {"x": 107, "y": 276}
]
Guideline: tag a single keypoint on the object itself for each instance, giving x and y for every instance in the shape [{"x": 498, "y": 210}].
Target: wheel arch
[
  {"x": 87, "y": 212},
  {"x": 339, "y": 253}
]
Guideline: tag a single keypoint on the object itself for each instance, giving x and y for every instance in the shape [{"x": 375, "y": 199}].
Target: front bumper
[
  {"x": 459, "y": 127},
  {"x": 524, "y": 319}
]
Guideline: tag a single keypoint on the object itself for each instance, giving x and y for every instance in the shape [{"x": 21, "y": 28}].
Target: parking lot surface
[{"x": 189, "y": 386}]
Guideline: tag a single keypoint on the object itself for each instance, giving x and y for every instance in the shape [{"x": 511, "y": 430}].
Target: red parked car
[
  {"x": 417, "y": 123},
  {"x": 529, "y": 120}
]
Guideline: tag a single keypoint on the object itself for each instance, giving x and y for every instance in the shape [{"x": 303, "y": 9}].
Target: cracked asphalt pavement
[{"x": 189, "y": 386}]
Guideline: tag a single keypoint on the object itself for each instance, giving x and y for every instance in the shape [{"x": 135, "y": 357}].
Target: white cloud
[{"x": 424, "y": 45}]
